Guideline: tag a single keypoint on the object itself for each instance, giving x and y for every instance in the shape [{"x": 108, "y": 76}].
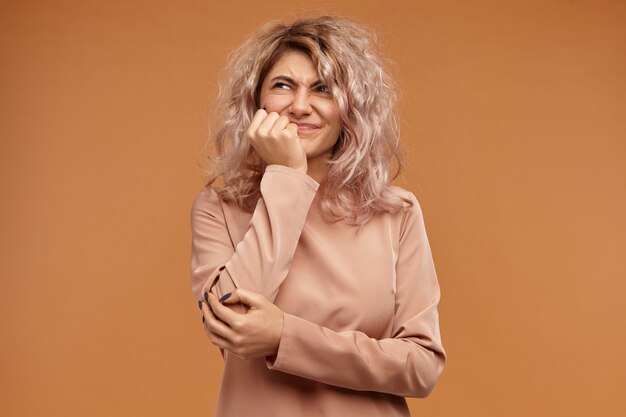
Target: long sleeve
[
  {"x": 260, "y": 261},
  {"x": 408, "y": 363}
]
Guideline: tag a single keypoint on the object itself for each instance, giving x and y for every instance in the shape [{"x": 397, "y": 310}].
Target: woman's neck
[{"x": 317, "y": 167}]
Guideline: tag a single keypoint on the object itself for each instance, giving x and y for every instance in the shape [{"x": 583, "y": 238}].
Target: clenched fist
[{"x": 276, "y": 140}]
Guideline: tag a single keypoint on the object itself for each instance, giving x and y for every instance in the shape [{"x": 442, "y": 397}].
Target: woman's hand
[
  {"x": 276, "y": 140},
  {"x": 253, "y": 334}
]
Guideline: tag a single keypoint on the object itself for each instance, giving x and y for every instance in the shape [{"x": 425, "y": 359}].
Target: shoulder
[
  {"x": 410, "y": 215},
  {"x": 207, "y": 201},
  {"x": 216, "y": 203},
  {"x": 208, "y": 195},
  {"x": 409, "y": 200}
]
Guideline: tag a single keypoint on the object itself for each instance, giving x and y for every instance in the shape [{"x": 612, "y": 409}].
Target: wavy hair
[{"x": 357, "y": 184}]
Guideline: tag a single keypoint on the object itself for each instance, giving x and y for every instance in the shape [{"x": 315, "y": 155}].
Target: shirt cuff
[
  {"x": 274, "y": 361},
  {"x": 282, "y": 169}
]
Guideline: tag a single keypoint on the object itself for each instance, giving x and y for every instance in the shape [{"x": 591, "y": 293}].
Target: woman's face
[{"x": 292, "y": 88}]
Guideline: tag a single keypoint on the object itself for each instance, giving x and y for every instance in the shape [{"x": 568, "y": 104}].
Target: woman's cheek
[
  {"x": 274, "y": 103},
  {"x": 330, "y": 112}
]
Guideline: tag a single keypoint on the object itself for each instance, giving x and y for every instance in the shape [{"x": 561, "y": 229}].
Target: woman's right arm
[{"x": 261, "y": 260}]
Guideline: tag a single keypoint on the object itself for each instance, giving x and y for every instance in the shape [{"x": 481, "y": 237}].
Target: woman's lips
[{"x": 306, "y": 127}]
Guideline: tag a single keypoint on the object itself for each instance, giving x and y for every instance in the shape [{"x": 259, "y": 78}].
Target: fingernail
[
  {"x": 206, "y": 296},
  {"x": 200, "y": 304},
  {"x": 203, "y": 319},
  {"x": 222, "y": 267},
  {"x": 226, "y": 296}
]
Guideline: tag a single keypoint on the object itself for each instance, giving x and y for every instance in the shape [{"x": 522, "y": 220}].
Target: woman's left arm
[{"x": 408, "y": 363}]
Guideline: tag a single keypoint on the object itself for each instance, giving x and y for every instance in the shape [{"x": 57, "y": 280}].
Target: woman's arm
[
  {"x": 408, "y": 363},
  {"x": 261, "y": 260}
]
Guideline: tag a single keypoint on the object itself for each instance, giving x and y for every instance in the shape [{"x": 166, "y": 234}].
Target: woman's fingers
[
  {"x": 270, "y": 125},
  {"x": 280, "y": 124},
  {"x": 217, "y": 340},
  {"x": 255, "y": 333},
  {"x": 274, "y": 139},
  {"x": 247, "y": 297},
  {"x": 224, "y": 313},
  {"x": 214, "y": 324},
  {"x": 212, "y": 336},
  {"x": 267, "y": 124},
  {"x": 293, "y": 128},
  {"x": 257, "y": 119}
]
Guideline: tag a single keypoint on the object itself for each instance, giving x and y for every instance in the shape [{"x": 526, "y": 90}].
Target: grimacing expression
[{"x": 292, "y": 88}]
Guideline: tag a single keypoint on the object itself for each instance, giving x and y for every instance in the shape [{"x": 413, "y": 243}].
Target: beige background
[{"x": 514, "y": 115}]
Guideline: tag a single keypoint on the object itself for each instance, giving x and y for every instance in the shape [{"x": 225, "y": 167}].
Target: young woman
[{"x": 313, "y": 273}]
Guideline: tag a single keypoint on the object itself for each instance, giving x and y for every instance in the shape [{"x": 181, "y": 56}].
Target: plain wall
[{"x": 514, "y": 118}]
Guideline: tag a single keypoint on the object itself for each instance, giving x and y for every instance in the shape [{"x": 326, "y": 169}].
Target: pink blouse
[{"x": 361, "y": 327}]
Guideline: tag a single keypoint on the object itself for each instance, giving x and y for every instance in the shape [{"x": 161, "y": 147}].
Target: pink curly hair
[{"x": 357, "y": 184}]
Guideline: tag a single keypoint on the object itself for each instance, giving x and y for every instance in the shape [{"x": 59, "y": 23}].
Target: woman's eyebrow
[{"x": 292, "y": 81}]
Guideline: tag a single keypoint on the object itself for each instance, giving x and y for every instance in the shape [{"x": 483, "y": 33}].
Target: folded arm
[
  {"x": 408, "y": 363},
  {"x": 261, "y": 260}
]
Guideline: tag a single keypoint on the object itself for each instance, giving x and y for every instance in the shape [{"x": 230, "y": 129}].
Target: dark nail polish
[
  {"x": 206, "y": 296},
  {"x": 226, "y": 296},
  {"x": 202, "y": 318},
  {"x": 222, "y": 267},
  {"x": 200, "y": 304}
]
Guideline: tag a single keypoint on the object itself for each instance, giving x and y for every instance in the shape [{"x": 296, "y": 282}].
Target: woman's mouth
[{"x": 306, "y": 128}]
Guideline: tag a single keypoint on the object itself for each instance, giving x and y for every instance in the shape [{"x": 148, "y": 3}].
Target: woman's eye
[
  {"x": 281, "y": 86},
  {"x": 323, "y": 89}
]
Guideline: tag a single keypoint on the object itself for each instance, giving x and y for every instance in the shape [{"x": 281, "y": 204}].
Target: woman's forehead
[{"x": 296, "y": 65}]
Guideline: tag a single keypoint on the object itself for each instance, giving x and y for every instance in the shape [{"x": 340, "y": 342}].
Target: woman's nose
[{"x": 301, "y": 104}]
